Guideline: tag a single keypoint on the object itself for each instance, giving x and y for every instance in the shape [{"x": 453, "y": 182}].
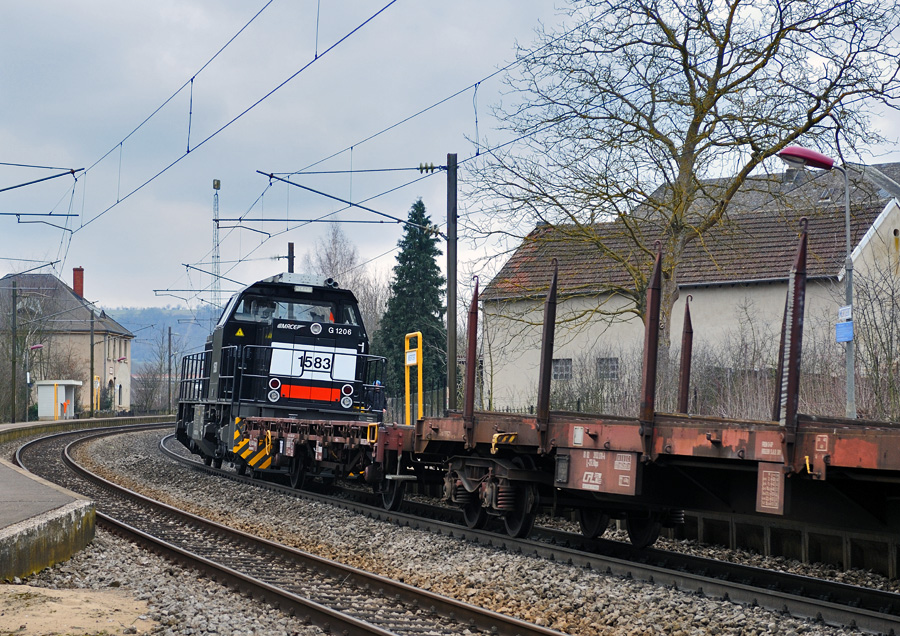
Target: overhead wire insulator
[{"x": 426, "y": 167}]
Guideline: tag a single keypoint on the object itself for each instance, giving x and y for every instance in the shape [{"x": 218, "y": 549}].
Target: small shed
[{"x": 56, "y": 399}]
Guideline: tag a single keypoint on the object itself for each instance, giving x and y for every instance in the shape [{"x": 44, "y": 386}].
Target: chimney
[{"x": 78, "y": 281}]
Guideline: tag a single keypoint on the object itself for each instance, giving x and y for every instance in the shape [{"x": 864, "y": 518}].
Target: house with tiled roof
[
  {"x": 57, "y": 330},
  {"x": 735, "y": 277}
]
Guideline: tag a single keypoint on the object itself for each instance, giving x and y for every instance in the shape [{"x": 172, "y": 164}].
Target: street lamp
[
  {"x": 799, "y": 157},
  {"x": 34, "y": 347}
]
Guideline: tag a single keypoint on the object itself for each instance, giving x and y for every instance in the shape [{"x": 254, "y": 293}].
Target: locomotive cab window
[
  {"x": 261, "y": 309},
  {"x": 318, "y": 311},
  {"x": 349, "y": 315},
  {"x": 255, "y": 309}
]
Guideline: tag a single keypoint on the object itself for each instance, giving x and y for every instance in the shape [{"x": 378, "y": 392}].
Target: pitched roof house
[
  {"x": 735, "y": 276},
  {"x": 54, "y": 328}
]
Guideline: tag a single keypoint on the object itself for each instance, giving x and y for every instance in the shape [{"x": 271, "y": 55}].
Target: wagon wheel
[
  {"x": 520, "y": 520},
  {"x": 297, "y": 475},
  {"x": 392, "y": 494},
  {"x": 593, "y": 522},
  {"x": 475, "y": 515},
  {"x": 241, "y": 467},
  {"x": 643, "y": 530}
]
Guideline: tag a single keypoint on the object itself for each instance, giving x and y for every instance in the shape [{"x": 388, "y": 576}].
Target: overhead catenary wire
[
  {"x": 478, "y": 150},
  {"x": 305, "y": 171},
  {"x": 351, "y": 171},
  {"x": 183, "y": 86},
  {"x": 355, "y": 205},
  {"x": 64, "y": 245},
  {"x": 70, "y": 171},
  {"x": 474, "y": 86},
  {"x": 422, "y": 111},
  {"x": 28, "y": 165},
  {"x": 240, "y": 115},
  {"x": 236, "y": 263}
]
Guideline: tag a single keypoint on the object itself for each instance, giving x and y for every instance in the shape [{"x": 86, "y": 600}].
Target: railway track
[
  {"x": 336, "y": 597},
  {"x": 831, "y": 602}
]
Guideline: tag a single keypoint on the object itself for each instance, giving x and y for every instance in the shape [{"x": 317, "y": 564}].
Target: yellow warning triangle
[{"x": 240, "y": 333}]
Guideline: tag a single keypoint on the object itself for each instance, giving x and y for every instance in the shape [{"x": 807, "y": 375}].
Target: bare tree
[
  {"x": 336, "y": 256},
  {"x": 372, "y": 293},
  {"x": 625, "y": 120},
  {"x": 150, "y": 382},
  {"x": 877, "y": 319}
]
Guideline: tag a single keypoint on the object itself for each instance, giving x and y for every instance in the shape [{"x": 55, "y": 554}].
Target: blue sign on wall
[{"x": 843, "y": 331}]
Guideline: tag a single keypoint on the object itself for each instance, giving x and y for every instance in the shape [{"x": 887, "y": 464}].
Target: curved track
[
  {"x": 334, "y": 596},
  {"x": 834, "y": 603}
]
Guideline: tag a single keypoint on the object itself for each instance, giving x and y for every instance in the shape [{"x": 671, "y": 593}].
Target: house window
[
  {"x": 607, "y": 368},
  {"x": 562, "y": 368}
]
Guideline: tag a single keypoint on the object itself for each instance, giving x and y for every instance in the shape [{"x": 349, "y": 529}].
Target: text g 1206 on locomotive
[{"x": 288, "y": 350}]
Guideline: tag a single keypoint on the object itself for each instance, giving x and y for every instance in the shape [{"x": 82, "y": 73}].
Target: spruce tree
[{"x": 415, "y": 304}]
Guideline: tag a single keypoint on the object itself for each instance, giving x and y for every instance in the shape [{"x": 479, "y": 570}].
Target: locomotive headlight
[
  {"x": 274, "y": 396},
  {"x": 274, "y": 384},
  {"x": 346, "y": 402},
  {"x": 347, "y": 389}
]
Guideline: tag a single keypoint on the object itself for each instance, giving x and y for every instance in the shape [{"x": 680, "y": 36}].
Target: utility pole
[
  {"x": 15, "y": 384},
  {"x": 216, "y": 285},
  {"x": 451, "y": 281},
  {"x": 290, "y": 258},
  {"x": 850, "y": 351},
  {"x": 169, "y": 375}
]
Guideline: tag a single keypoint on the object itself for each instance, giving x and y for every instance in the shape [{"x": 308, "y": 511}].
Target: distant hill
[{"x": 150, "y": 326}]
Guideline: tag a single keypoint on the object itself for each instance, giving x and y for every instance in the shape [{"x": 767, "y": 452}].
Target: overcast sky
[{"x": 77, "y": 78}]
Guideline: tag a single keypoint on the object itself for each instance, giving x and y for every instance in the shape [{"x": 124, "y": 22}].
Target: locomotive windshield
[{"x": 264, "y": 309}]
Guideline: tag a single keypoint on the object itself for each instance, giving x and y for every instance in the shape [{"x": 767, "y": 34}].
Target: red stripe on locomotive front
[{"x": 302, "y": 392}]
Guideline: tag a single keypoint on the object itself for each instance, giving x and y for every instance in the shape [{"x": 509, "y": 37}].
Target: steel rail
[{"x": 458, "y": 615}]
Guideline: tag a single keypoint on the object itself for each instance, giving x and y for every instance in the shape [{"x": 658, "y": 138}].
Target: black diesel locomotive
[{"x": 286, "y": 385}]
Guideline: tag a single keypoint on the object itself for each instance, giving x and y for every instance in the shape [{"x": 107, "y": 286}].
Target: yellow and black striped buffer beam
[
  {"x": 241, "y": 446},
  {"x": 259, "y": 457},
  {"x": 261, "y": 460}
]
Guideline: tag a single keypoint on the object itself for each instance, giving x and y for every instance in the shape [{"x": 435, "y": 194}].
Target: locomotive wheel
[
  {"x": 392, "y": 494},
  {"x": 520, "y": 521},
  {"x": 475, "y": 515},
  {"x": 593, "y": 522},
  {"x": 643, "y": 531},
  {"x": 298, "y": 472},
  {"x": 217, "y": 462},
  {"x": 207, "y": 460},
  {"x": 241, "y": 468}
]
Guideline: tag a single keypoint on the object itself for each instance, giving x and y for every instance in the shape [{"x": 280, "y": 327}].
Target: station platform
[{"x": 42, "y": 524}]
